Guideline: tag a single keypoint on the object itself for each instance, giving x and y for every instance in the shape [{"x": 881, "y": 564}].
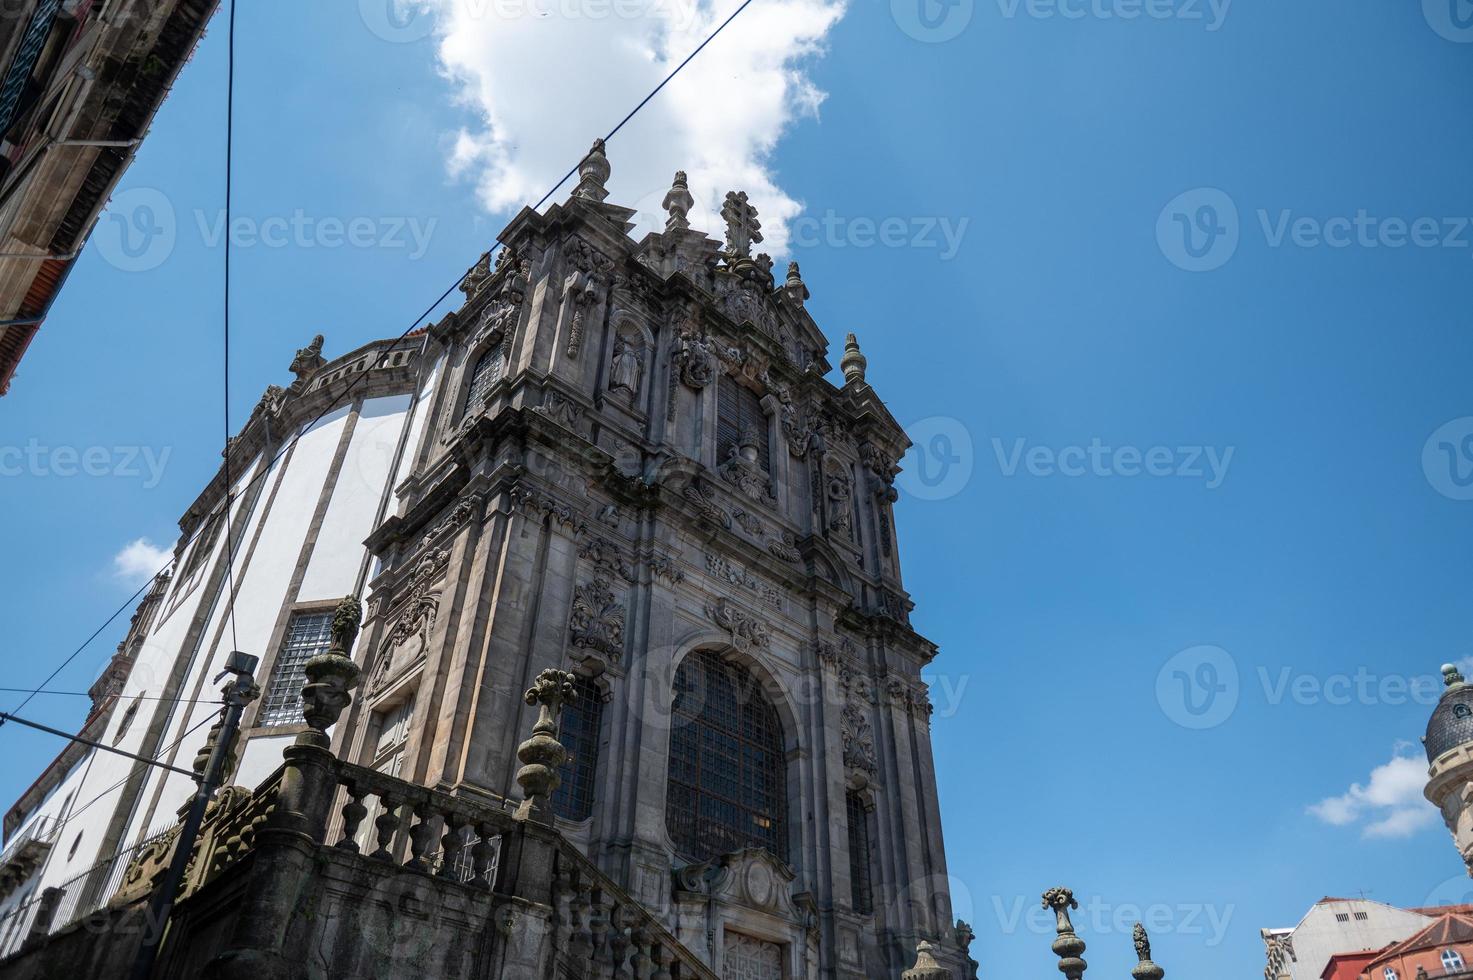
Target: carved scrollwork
[
  {"x": 597, "y": 621},
  {"x": 747, "y": 631},
  {"x": 705, "y": 503}
]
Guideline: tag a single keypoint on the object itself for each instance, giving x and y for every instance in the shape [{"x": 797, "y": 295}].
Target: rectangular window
[
  {"x": 307, "y": 635},
  {"x": 737, "y": 409},
  {"x": 859, "y": 855}
]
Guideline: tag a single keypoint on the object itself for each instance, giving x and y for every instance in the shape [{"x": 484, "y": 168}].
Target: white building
[
  {"x": 297, "y": 525},
  {"x": 1337, "y": 925}
]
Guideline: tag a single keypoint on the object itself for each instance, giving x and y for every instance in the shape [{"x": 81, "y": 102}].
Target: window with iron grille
[
  {"x": 739, "y": 408},
  {"x": 486, "y": 372},
  {"x": 307, "y": 635},
  {"x": 859, "y": 855},
  {"x": 728, "y": 785},
  {"x": 579, "y": 731}
]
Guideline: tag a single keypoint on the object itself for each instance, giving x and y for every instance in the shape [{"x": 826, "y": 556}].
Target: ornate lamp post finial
[
  {"x": 1451, "y": 676},
  {"x": 1145, "y": 969},
  {"x": 1067, "y": 946},
  {"x": 541, "y": 754}
]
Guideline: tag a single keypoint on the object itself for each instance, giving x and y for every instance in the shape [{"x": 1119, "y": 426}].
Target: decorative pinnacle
[
  {"x": 1145, "y": 969},
  {"x": 853, "y": 362},
  {"x": 1067, "y": 946},
  {"x": 1450, "y": 675},
  {"x": 331, "y": 676},
  {"x": 542, "y": 754},
  {"x": 678, "y": 203},
  {"x": 926, "y": 967},
  {"x": 796, "y": 291},
  {"x": 593, "y": 172}
]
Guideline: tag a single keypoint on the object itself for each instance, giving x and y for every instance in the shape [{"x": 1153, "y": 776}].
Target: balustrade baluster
[
  {"x": 483, "y": 855},
  {"x": 581, "y": 942},
  {"x": 662, "y": 958},
  {"x": 386, "y": 825},
  {"x": 619, "y": 943},
  {"x": 420, "y": 837},
  {"x": 598, "y": 924},
  {"x": 642, "y": 964},
  {"x": 452, "y": 846},
  {"x": 354, "y": 813}
]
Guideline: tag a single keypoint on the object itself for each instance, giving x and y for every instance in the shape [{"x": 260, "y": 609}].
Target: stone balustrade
[
  {"x": 448, "y": 836},
  {"x": 607, "y": 934}
]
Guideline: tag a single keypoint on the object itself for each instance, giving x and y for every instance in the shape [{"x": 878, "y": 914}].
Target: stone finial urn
[
  {"x": 926, "y": 967},
  {"x": 1067, "y": 946},
  {"x": 1145, "y": 969},
  {"x": 853, "y": 363},
  {"x": 542, "y": 754},
  {"x": 331, "y": 676}
]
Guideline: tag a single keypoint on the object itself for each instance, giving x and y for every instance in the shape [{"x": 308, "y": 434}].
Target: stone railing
[
  {"x": 451, "y": 837},
  {"x": 610, "y": 935}
]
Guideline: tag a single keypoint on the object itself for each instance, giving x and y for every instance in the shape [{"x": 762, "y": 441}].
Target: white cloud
[
  {"x": 1391, "y": 804},
  {"x": 545, "y": 77},
  {"x": 139, "y": 561}
]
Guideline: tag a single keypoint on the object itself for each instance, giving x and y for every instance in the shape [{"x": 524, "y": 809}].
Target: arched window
[
  {"x": 1452, "y": 961},
  {"x": 486, "y": 372},
  {"x": 728, "y": 786},
  {"x": 580, "y": 724},
  {"x": 739, "y": 409},
  {"x": 1390, "y": 973},
  {"x": 861, "y": 887}
]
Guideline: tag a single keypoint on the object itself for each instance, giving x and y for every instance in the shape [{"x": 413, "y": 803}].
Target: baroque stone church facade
[
  {"x": 627, "y": 463},
  {"x": 638, "y": 472}
]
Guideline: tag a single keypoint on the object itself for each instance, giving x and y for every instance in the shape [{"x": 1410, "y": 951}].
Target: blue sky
[{"x": 1095, "y": 580}]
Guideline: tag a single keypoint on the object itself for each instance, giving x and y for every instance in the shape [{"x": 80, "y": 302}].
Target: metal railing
[{"x": 78, "y": 897}]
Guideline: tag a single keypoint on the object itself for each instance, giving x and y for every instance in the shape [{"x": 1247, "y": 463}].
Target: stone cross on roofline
[{"x": 743, "y": 230}]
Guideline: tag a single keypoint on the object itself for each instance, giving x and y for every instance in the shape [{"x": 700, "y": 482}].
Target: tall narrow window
[
  {"x": 861, "y": 886},
  {"x": 580, "y": 725},
  {"x": 307, "y": 635},
  {"x": 727, "y": 788},
  {"x": 738, "y": 409},
  {"x": 204, "y": 546},
  {"x": 485, "y": 373},
  {"x": 389, "y": 752}
]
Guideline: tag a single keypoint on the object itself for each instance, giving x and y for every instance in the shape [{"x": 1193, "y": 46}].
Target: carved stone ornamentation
[
  {"x": 464, "y": 511},
  {"x": 747, "y": 631},
  {"x": 561, "y": 409},
  {"x": 705, "y": 503},
  {"x": 859, "y": 737},
  {"x": 1068, "y": 947},
  {"x": 840, "y": 493},
  {"x": 742, "y": 470},
  {"x": 785, "y": 548},
  {"x": 309, "y": 360},
  {"x": 407, "y": 641},
  {"x": 534, "y": 502},
  {"x": 626, "y": 369},
  {"x": 743, "y": 230},
  {"x": 597, "y": 621},
  {"x": 926, "y": 967}
]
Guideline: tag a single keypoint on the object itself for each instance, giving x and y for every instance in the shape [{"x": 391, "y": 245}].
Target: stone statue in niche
[
  {"x": 840, "y": 494},
  {"x": 627, "y": 367}
]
